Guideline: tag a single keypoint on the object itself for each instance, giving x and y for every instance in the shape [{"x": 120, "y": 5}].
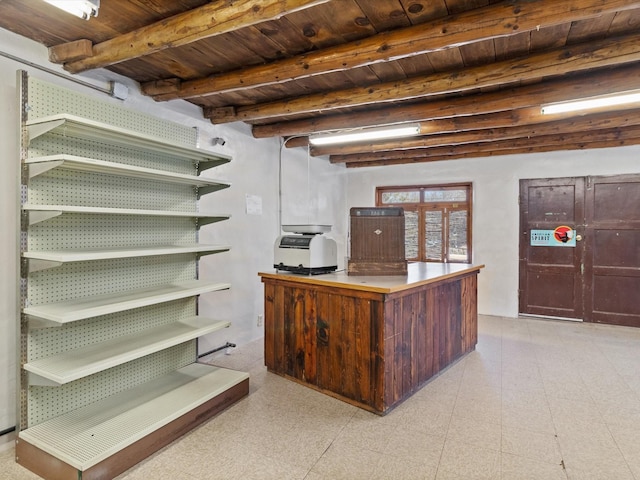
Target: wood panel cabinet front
[{"x": 370, "y": 349}]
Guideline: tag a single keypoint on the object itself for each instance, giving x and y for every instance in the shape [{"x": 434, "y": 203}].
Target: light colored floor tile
[
  {"x": 542, "y": 447},
  {"x": 595, "y": 452},
  {"x": 347, "y": 462},
  {"x": 533, "y": 417},
  {"x": 259, "y": 467},
  {"x": 415, "y": 447},
  {"x": 569, "y": 412},
  {"x": 369, "y": 435},
  {"x": 571, "y": 390},
  {"x": 604, "y": 471},
  {"x": 481, "y": 434},
  {"x": 515, "y": 398},
  {"x": 427, "y": 422},
  {"x": 393, "y": 468},
  {"x": 515, "y": 467},
  {"x": 300, "y": 448},
  {"x": 627, "y": 438},
  {"x": 464, "y": 461},
  {"x": 480, "y": 391},
  {"x": 432, "y": 400},
  {"x": 534, "y": 398},
  {"x": 485, "y": 409},
  {"x": 526, "y": 377}
]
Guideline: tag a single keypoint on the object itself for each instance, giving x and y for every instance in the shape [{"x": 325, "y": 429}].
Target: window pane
[
  {"x": 446, "y": 195},
  {"x": 410, "y": 235},
  {"x": 458, "y": 251},
  {"x": 433, "y": 235},
  {"x": 400, "y": 197}
]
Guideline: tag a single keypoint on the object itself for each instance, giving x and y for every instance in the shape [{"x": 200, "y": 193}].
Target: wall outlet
[{"x": 259, "y": 320}]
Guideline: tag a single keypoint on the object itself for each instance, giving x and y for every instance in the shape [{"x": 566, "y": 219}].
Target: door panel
[
  {"x": 599, "y": 279},
  {"x": 612, "y": 261},
  {"x": 550, "y": 277}
]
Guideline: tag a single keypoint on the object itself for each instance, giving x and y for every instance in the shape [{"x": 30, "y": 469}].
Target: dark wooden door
[
  {"x": 598, "y": 279},
  {"x": 551, "y": 276},
  {"x": 612, "y": 257}
]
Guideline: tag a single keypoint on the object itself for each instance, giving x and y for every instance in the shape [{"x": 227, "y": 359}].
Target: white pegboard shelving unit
[
  {"x": 38, "y": 166},
  {"x": 42, "y": 260},
  {"x": 87, "y": 129},
  {"x": 41, "y": 213},
  {"x": 76, "y": 309},
  {"x": 90, "y": 435},
  {"x": 109, "y": 285},
  {"x": 82, "y": 362}
]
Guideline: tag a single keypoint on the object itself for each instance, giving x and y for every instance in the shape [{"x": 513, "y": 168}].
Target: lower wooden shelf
[{"x": 106, "y": 438}]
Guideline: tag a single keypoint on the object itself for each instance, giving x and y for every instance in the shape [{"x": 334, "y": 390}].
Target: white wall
[
  {"x": 495, "y": 203},
  {"x": 254, "y": 171}
]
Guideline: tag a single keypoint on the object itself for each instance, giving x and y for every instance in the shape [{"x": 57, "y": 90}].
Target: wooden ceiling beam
[
  {"x": 607, "y": 138},
  {"x": 575, "y": 58},
  {"x": 214, "y": 18},
  {"x": 509, "y": 118},
  {"x": 588, "y": 123},
  {"x": 599, "y": 83},
  {"x": 497, "y": 20}
]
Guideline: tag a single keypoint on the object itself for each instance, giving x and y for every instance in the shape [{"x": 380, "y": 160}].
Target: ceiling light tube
[
  {"x": 592, "y": 103},
  {"x": 380, "y": 133},
  {"x": 84, "y": 9}
]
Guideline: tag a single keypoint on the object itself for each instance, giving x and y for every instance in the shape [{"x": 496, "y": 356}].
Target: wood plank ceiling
[{"x": 472, "y": 73}]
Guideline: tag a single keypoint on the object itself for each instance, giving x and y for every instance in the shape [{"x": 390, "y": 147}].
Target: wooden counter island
[{"x": 371, "y": 341}]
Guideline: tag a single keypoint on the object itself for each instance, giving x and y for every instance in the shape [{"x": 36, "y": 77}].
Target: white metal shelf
[
  {"x": 82, "y": 362},
  {"x": 78, "y": 127},
  {"x": 84, "y": 437},
  {"x": 40, "y": 213},
  {"x": 39, "y": 165},
  {"x": 41, "y": 260},
  {"x": 73, "y": 310}
]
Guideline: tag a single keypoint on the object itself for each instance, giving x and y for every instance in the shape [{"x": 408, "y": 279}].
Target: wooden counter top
[{"x": 418, "y": 273}]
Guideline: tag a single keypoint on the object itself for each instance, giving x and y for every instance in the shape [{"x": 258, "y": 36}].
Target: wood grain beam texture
[
  {"x": 598, "y": 83},
  {"x": 596, "y": 132},
  {"x": 577, "y": 141},
  {"x": 586, "y": 123},
  {"x": 498, "y": 20},
  {"x": 575, "y": 58},
  {"x": 214, "y": 18}
]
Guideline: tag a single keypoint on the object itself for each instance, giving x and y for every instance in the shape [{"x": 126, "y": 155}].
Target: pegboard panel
[
  {"x": 84, "y": 279},
  {"x": 47, "y": 342},
  {"x": 70, "y": 187},
  {"x": 54, "y": 143},
  {"x": 49, "y": 402},
  {"x": 86, "y": 231},
  {"x": 46, "y": 99},
  {"x": 62, "y": 186}
]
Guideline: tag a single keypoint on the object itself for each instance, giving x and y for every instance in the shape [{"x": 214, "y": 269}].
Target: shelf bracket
[
  {"x": 38, "y": 129},
  {"x": 31, "y": 265},
  {"x": 36, "y": 169},
  {"x": 208, "y": 220},
  {"x": 212, "y": 188},
  {"x": 38, "y": 381},
  {"x": 37, "y": 216},
  {"x": 36, "y": 323},
  {"x": 212, "y": 163}
]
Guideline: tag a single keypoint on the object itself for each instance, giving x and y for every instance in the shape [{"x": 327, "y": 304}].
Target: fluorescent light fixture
[
  {"x": 84, "y": 9},
  {"x": 592, "y": 103},
  {"x": 379, "y": 133}
]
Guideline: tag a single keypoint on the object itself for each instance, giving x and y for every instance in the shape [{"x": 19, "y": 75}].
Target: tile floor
[{"x": 537, "y": 399}]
